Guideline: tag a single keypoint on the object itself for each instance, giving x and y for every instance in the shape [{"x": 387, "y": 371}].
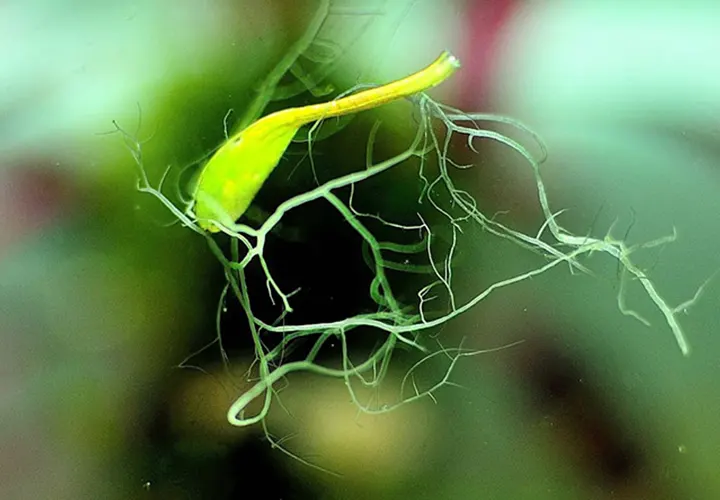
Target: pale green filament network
[{"x": 401, "y": 324}]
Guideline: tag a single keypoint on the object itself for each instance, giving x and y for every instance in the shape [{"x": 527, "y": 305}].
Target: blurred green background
[{"x": 101, "y": 301}]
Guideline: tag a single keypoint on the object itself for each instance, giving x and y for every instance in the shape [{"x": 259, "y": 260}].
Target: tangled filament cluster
[{"x": 400, "y": 324}]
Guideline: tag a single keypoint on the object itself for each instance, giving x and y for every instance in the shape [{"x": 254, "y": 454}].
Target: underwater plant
[{"x": 229, "y": 181}]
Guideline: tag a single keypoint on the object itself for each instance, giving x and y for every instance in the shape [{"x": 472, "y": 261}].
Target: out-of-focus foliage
[{"x": 100, "y": 303}]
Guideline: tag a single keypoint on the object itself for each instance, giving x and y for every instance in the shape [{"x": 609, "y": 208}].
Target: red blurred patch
[
  {"x": 484, "y": 25},
  {"x": 31, "y": 197}
]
